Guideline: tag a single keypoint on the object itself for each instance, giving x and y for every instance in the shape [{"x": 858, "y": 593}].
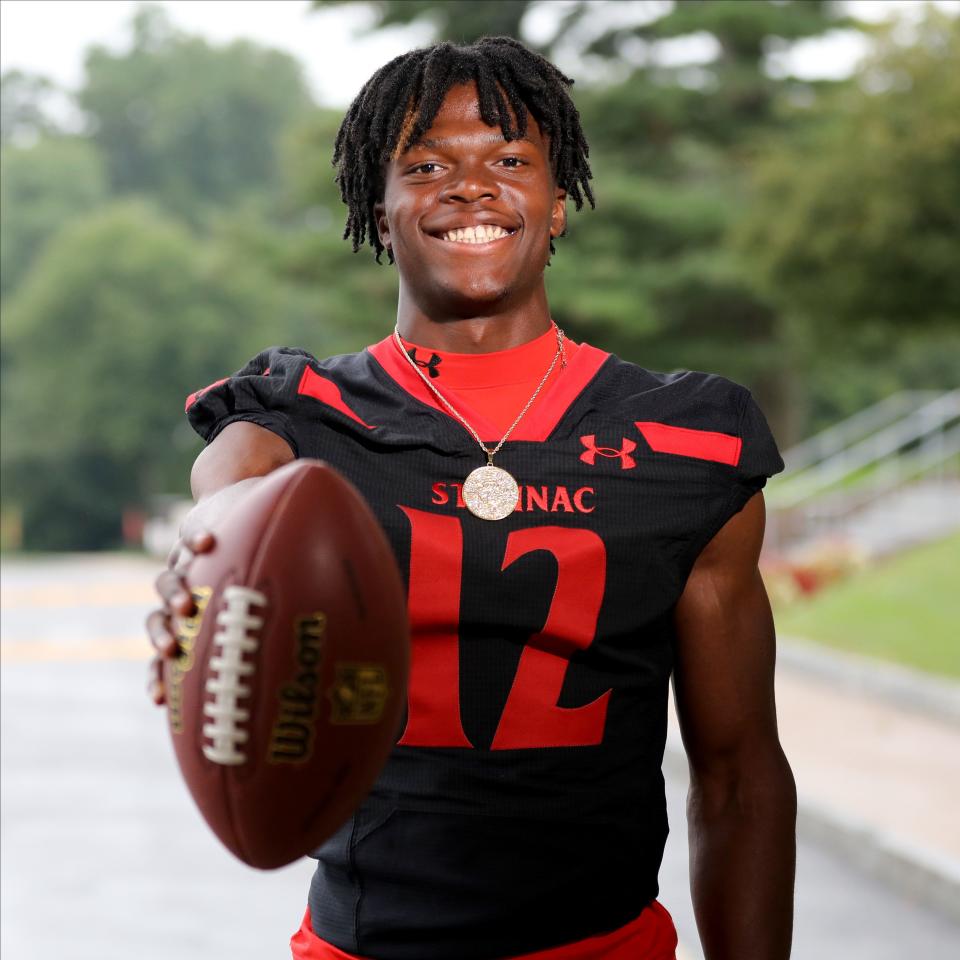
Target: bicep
[
  {"x": 240, "y": 452},
  {"x": 725, "y": 650}
]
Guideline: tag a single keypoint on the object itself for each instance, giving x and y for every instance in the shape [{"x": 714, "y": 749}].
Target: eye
[
  {"x": 511, "y": 163},
  {"x": 428, "y": 167}
]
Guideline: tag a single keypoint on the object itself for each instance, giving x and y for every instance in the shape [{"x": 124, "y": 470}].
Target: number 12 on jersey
[{"x": 531, "y": 717}]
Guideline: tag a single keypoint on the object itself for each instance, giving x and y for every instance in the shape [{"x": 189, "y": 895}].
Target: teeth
[{"x": 484, "y": 233}]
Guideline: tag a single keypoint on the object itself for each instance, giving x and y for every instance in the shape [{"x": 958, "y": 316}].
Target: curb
[
  {"x": 933, "y": 697},
  {"x": 913, "y": 872}
]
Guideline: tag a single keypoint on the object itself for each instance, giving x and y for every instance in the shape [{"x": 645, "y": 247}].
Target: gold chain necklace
[{"x": 489, "y": 492}]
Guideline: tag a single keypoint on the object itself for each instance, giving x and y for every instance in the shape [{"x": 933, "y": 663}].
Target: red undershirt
[{"x": 498, "y": 385}]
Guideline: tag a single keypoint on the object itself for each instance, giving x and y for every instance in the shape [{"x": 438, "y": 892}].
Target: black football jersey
[{"x": 523, "y": 806}]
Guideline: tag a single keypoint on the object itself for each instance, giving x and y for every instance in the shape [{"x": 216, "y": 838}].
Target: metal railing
[
  {"x": 919, "y": 427},
  {"x": 903, "y": 451},
  {"x": 856, "y": 427}
]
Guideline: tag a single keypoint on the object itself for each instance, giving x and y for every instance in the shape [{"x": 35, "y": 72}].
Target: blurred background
[{"x": 778, "y": 201}]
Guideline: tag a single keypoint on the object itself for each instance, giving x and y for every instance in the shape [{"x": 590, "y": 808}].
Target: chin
[{"x": 469, "y": 299}]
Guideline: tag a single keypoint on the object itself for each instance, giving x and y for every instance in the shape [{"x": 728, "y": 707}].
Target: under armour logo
[
  {"x": 590, "y": 454},
  {"x": 430, "y": 365}
]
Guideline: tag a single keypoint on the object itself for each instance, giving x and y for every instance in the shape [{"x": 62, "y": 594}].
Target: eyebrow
[{"x": 441, "y": 144}]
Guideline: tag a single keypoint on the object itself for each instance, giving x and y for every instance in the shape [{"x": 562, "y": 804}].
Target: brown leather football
[{"x": 288, "y": 693}]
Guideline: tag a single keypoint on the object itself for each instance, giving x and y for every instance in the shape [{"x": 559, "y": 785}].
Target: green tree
[
  {"x": 460, "y": 20},
  {"x": 122, "y": 316},
  {"x": 25, "y": 107},
  {"x": 140, "y": 262},
  {"x": 356, "y": 300},
  {"x": 42, "y": 187},
  {"x": 866, "y": 199},
  {"x": 192, "y": 125},
  {"x": 733, "y": 92},
  {"x": 854, "y": 223}
]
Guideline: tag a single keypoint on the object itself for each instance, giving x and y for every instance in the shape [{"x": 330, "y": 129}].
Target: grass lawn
[{"x": 905, "y": 608}]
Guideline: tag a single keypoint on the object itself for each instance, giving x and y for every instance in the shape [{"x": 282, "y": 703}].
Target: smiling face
[{"x": 469, "y": 217}]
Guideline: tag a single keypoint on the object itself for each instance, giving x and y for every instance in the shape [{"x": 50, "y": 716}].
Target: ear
[
  {"x": 383, "y": 228},
  {"x": 558, "y": 215}
]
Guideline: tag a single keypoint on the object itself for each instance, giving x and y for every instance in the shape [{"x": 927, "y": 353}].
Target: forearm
[
  {"x": 742, "y": 832},
  {"x": 227, "y": 469},
  {"x": 213, "y": 507}
]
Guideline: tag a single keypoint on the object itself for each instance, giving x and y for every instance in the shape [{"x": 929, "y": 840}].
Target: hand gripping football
[{"x": 288, "y": 692}]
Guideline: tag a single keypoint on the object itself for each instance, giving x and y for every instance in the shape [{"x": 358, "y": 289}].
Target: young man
[{"x": 572, "y": 528}]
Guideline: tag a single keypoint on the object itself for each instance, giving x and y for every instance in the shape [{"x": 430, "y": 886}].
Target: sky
[{"x": 50, "y": 36}]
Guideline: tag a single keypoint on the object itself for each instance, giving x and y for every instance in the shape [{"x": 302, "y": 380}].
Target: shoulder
[
  {"x": 274, "y": 367},
  {"x": 292, "y": 362},
  {"x": 690, "y": 413},
  {"x": 289, "y": 361},
  {"x": 276, "y": 361},
  {"x": 691, "y": 398},
  {"x": 309, "y": 393}
]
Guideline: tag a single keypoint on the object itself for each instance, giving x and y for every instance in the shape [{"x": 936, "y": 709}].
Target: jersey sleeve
[
  {"x": 759, "y": 457},
  {"x": 263, "y": 392}
]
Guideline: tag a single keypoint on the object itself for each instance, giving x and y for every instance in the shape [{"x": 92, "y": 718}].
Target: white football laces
[{"x": 234, "y": 638}]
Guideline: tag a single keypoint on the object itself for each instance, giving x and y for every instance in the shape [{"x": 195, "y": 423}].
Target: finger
[
  {"x": 174, "y": 556},
  {"x": 201, "y": 542},
  {"x": 183, "y": 560},
  {"x": 155, "y": 685},
  {"x": 175, "y": 593},
  {"x": 160, "y": 631},
  {"x": 189, "y": 547},
  {"x": 167, "y": 584}
]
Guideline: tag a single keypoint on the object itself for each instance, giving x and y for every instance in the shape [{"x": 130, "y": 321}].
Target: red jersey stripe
[{"x": 687, "y": 442}]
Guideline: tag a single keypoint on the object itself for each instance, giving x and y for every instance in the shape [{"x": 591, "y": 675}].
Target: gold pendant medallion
[{"x": 490, "y": 493}]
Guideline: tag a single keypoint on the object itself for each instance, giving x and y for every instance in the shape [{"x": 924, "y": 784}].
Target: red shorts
[{"x": 650, "y": 937}]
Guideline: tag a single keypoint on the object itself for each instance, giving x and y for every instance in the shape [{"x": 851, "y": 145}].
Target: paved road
[{"x": 105, "y": 857}]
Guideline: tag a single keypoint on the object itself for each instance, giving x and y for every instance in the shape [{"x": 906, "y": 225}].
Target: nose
[{"x": 471, "y": 183}]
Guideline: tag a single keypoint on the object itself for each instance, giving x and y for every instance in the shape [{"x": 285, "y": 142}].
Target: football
[{"x": 288, "y": 690}]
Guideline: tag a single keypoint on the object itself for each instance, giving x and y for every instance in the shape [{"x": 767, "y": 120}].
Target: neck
[{"x": 480, "y": 330}]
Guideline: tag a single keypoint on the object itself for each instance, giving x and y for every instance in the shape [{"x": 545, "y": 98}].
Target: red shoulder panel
[
  {"x": 687, "y": 442},
  {"x": 555, "y": 402},
  {"x": 326, "y": 391}
]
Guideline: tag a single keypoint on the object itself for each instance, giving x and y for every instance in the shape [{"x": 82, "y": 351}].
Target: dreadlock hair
[{"x": 399, "y": 102}]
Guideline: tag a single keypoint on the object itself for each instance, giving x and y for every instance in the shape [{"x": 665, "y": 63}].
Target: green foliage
[
  {"x": 123, "y": 315},
  {"x": 192, "y": 125},
  {"x": 115, "y": 311},
  {"x": 852, "y": 231},
  {"x": 24, "y": 107},
  {"x": 858, "y": 215},
  {"x": 352, "y": 300},
  {"x": 743, "y": 30},
  {"x": 733, "y": 93},
  {"x": 461, "y": 21},
  {"x": 42, "y": 187}
]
